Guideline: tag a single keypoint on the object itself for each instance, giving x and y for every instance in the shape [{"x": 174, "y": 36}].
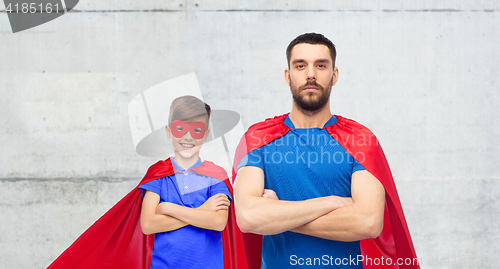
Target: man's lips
[{"x": 310, "y": 89}]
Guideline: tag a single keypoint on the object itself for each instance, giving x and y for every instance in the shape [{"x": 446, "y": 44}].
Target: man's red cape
[
  {"x": 116, "y": 240},
  {"x": 394, "y": 242}
]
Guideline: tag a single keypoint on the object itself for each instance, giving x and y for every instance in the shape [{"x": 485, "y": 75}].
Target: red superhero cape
[
  {"x": 116, "y": 240},
  {"x": 394, "y": 242}
]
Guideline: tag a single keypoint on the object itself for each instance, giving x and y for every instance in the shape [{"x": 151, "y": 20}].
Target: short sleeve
[
  {"x": 220, "y": 187},
  {"x": 356, "y": 166},
  {"x": 154, "y": 186},
  {"x": 254, "y": 158}
]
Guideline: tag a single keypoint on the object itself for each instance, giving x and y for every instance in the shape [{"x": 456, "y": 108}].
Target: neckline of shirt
[
  {"x": 288, "y": 122},
  {"x": 180, "y": 169}
]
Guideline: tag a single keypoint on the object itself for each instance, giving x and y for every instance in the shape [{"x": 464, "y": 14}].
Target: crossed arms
[
  {"x": 331, "y": 217},
  {"x": 159, "y": 217}
]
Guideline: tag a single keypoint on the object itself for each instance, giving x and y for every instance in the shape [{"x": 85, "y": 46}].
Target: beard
[{"x": 311, "y": 101}]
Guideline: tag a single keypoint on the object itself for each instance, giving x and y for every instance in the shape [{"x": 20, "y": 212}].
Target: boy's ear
[
  {"x": 169, "y": 134},
  {"x": 205, "y": 137}
]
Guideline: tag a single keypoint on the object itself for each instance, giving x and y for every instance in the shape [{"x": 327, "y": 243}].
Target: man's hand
[
  {"x": 270, "y": 194},
  {"x": 339, "y": 201},
  {"x": 216, "y": 203},
  {"x": 344, "y": 201},
  {"x": 260, "y": 211},
  {"x": 362, "y": 216}
]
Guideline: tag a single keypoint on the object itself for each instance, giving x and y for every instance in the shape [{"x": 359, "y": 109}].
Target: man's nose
[{"x": 311, "y": 73}]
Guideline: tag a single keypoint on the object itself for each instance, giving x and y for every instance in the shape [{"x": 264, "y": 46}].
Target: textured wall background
[{"x": 423, "y": 75}]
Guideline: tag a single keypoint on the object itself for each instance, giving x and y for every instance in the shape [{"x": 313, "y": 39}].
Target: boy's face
[{"x": 186, "y": 146}]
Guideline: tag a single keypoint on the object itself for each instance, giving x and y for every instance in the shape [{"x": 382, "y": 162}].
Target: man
[{"x": 317, "y": 186}]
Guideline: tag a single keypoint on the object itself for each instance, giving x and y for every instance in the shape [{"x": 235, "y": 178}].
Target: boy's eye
[
  {"x": 178, "y": 128},
  {"x": 197, "y": 130}
]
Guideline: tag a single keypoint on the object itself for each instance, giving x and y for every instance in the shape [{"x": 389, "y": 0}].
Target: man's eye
[
  {"x": 197, "y": 130},
  {"x": 300, "y": 66},
  {"x": 321, "y": 65},
  {"x": 178, "y": 128}
]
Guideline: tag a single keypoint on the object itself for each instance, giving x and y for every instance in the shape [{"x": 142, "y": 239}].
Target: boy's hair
[
  {"x": 188, "y": 108},
  {"x": 313, "y": 39}
]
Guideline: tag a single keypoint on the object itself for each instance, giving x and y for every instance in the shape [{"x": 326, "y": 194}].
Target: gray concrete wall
[{"x": 423, "y": 75}]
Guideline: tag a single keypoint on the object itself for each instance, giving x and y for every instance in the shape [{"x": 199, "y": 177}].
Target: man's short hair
[
  {"x": 314, "y": 39},
  {"x": 188, "y": 108}
]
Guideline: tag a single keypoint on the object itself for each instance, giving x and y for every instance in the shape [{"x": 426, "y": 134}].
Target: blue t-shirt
[
  {"x": 188, "y": 247},
  {"x": 304, "y": 164}
]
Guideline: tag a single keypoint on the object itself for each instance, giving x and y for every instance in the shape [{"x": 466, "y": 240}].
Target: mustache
[{"x": 311, "y": 83}]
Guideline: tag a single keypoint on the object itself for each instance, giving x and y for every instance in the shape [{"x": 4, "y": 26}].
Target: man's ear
[
  {"x": 205, "y": 137},
  {"x": 169, "y": 134},
  {"x": 335, "y": 76},
  {"x": 287, "y": 76}
]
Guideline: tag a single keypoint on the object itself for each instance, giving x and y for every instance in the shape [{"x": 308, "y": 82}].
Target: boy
[
  {"x": 170, "y": 227},
  {"x": 187, "y": 210}
]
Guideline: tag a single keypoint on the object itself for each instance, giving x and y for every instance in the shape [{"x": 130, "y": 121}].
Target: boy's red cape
[
  {"x": 116, "y": 240},
  {"x": 394, "y": 242}
]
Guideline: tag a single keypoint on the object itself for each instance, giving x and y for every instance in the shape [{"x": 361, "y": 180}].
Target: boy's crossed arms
[{"x": 159, "y": 217}]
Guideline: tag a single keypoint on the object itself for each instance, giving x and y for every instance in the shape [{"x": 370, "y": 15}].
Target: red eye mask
[{"x": 179, "y": 128}]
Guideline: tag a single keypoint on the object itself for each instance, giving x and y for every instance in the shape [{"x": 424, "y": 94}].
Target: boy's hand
[
  {"x": 216, "y": 202},
  {"x": 163, "y": 208}
]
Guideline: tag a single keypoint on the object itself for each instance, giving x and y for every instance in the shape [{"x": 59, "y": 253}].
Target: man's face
[{"x": 311, "y": 75}]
